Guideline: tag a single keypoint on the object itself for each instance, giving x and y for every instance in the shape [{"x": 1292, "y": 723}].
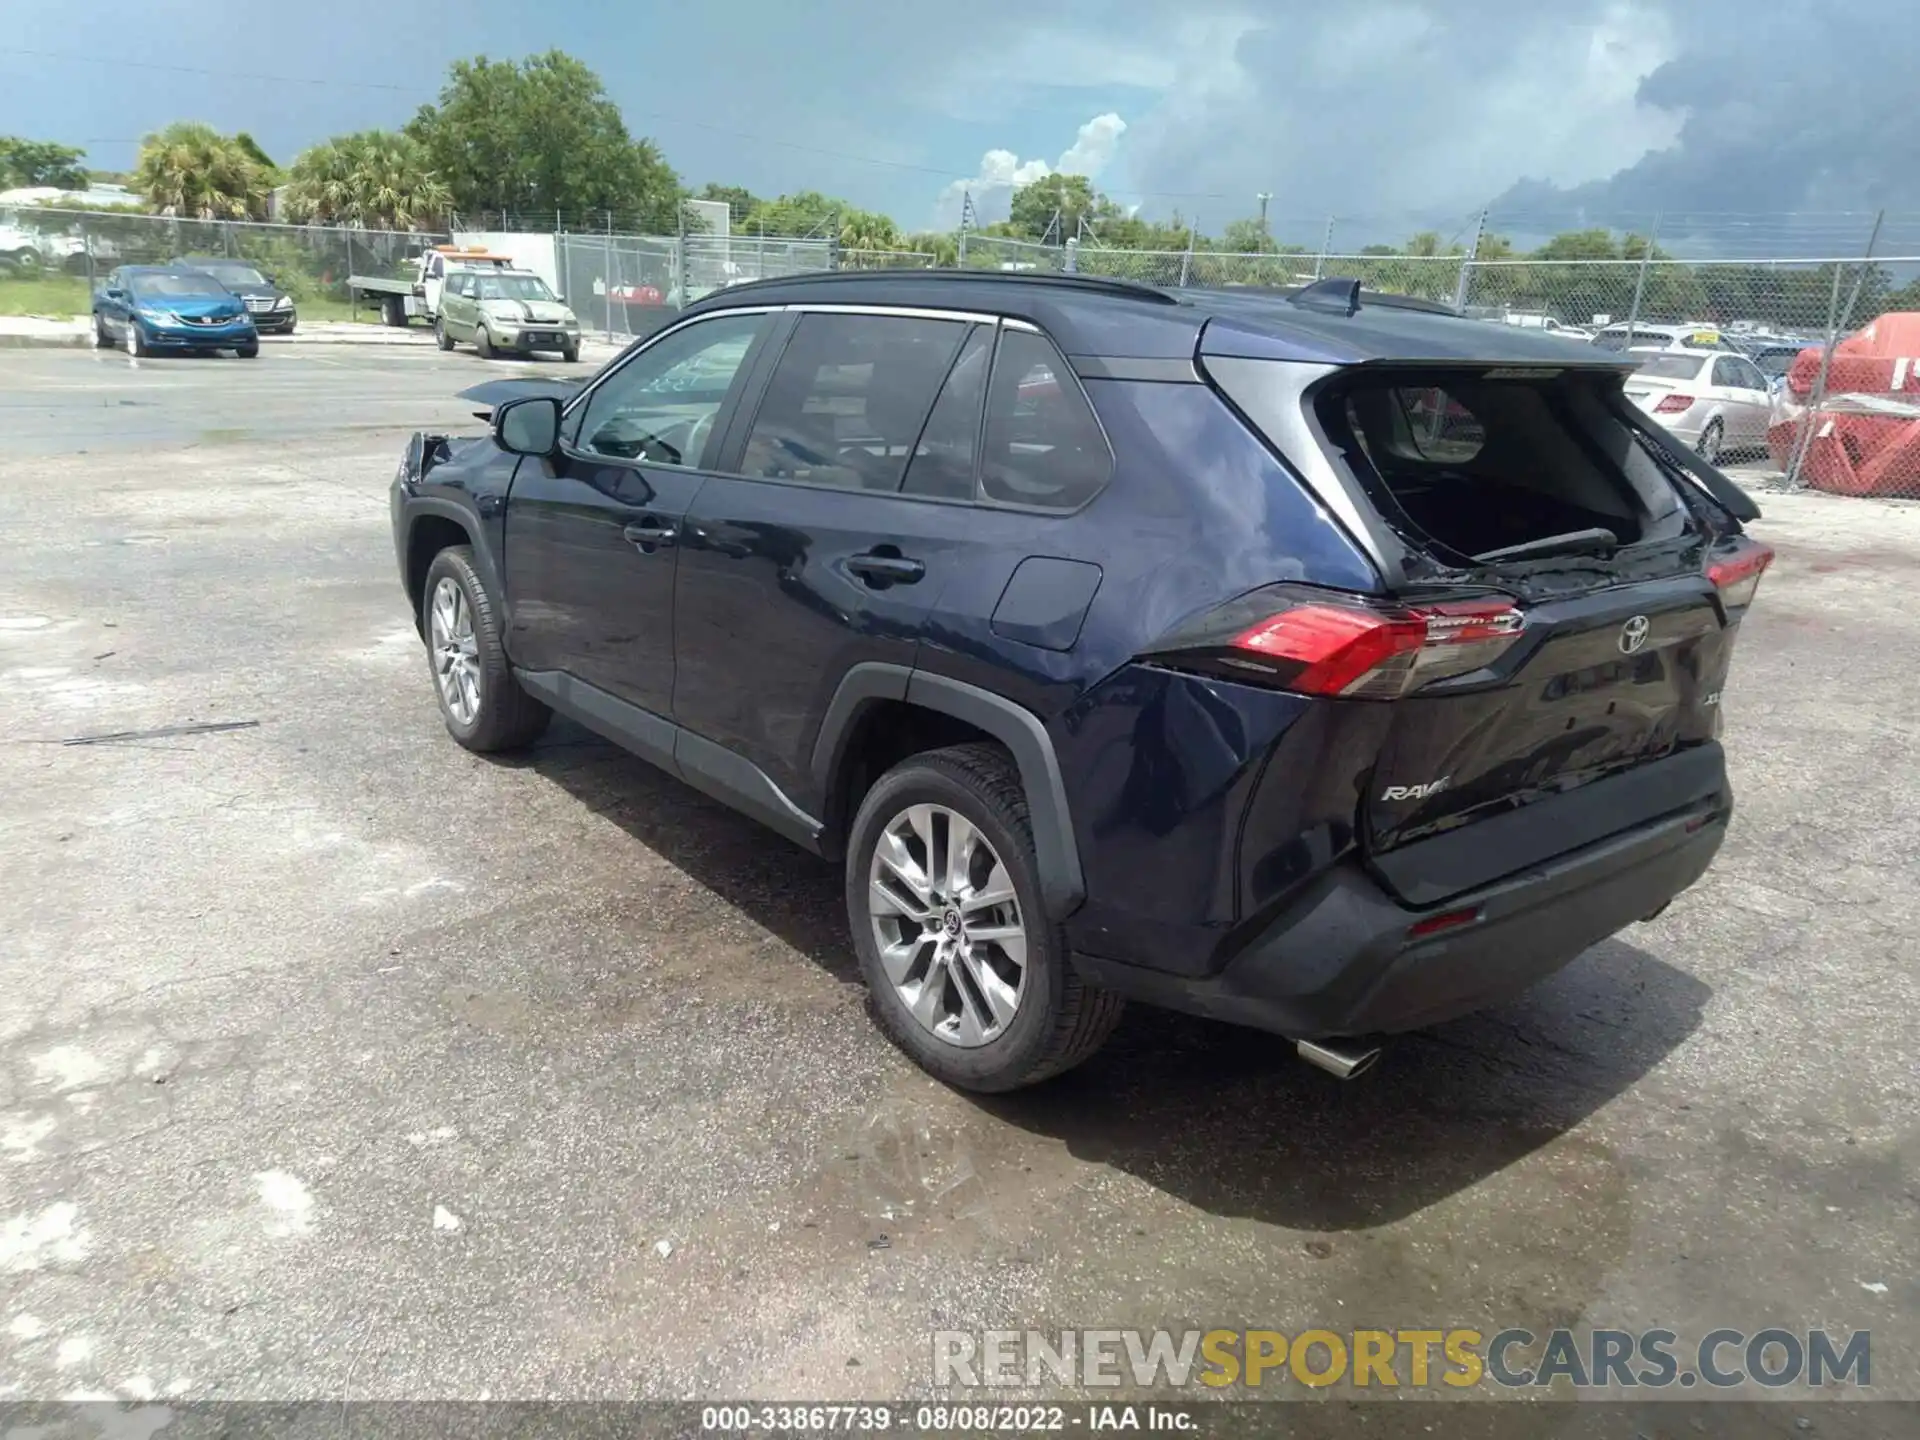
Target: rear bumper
[{"x": 1340, "y": 960}]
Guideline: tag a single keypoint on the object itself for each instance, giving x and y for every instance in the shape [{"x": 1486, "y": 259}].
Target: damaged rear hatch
[{"x": 1562, "y": 592}]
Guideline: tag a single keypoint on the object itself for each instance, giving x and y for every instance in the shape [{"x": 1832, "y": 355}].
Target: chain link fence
[
  {"x": 61, "y": 256},
  {"x": 1836, "y": 339}
]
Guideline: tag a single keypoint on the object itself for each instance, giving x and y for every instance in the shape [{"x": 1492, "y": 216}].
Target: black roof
[{"x": 1335, "y": 321}]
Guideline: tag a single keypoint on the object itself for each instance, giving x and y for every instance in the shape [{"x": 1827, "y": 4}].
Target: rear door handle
[
  {"x": 886, "y": 569},
  {"x": 648, "y": 533}
]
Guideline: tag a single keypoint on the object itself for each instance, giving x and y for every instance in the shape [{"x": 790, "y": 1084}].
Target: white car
[
  {"x": 1642, "y": 336},
  {"x": 1713, "y": 400}
]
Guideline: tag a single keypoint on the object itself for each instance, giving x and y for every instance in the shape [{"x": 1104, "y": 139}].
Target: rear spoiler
[{"x": 1730, "y": 495}]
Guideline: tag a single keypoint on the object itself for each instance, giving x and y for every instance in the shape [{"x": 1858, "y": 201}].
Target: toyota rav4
[{"x": 1320, "y": 662}]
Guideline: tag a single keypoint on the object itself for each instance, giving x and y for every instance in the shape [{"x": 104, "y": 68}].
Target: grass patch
[
  {"x": 60, "y": 296},
  {"x": 67, "y": 297}
]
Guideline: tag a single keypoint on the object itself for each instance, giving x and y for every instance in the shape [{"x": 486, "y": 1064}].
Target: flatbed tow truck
[{"x": 418, "y": 295}]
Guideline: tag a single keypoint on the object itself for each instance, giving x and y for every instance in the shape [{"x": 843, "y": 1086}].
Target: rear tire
[
  {"x": 440, "y": 335},
  {"x": 393, "y": 310},
  {"x": 487, "y": 711},
  {"x": 1708, "y": 447},
  {"x": 1057, "y": 1020}
]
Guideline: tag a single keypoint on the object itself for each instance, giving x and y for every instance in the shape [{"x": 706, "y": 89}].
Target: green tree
[
  {"x": 1071, "y": 198},
  {"x": 540, "y": 137},
  {"x": 40, "y": 162},
  {"x": 807, "y": 212},
  {"x": 1247, "y": 237},
  {"x": 191, "y": 170},
  {"x": 376, "y": 179},
  {"x": 866, "y": 230},
  {"x": 1579, "y": 245}
]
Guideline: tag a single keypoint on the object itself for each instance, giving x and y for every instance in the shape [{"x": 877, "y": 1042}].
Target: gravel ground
[{"x": 335, "y": 1061}]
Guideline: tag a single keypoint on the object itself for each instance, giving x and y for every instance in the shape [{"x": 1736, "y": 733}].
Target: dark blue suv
[{"x": 1316, "y": 661}]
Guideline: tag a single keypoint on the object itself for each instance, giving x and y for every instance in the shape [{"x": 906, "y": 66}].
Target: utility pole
[
  {"x": 1326, "y": 248},
  {"x": 966, "y": 224},
  {"x": 1263, "y": 197}
]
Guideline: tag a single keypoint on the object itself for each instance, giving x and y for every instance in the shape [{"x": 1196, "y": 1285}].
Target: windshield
[
  {"x": 177, "y": 285},
  {"x": 514, "y": 287},
  {"x": 1672, "y": 367},
  {"x": 234, "y": 274}
]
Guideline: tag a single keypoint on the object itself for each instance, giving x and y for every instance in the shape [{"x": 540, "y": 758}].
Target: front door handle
[
  {"x": 650, "y": 532},
  {"x": 886, "y": 569}
]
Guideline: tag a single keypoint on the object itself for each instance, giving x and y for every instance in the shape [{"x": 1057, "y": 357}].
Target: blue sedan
[{"x": 153, "y": 308}]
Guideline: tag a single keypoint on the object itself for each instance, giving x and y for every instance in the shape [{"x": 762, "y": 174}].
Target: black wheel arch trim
[
  {"x": 1057, "y": 853},
  {"x": 419, "y": 507}
]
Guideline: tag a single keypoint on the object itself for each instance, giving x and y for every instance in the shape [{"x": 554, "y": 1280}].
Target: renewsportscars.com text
[{"x": 1457, "y": 1358}]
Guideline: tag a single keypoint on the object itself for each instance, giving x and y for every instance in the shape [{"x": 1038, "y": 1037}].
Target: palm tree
[
  {"x": 864, "y": 230},
  {"x": 375, "y": 179},
  {"x": 192, "y": 170}
]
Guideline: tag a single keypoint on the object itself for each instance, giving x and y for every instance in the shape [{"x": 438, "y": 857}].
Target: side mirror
[
  {"x": 529, "y": 426},
  {"x": 113, "y": 293}
]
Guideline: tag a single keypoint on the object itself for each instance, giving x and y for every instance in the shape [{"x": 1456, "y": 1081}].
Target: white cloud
[{"x": 1002, "y": 172}]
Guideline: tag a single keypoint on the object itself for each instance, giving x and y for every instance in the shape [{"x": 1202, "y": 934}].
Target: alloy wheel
[
  {"x": 456, "y": 658},
  {"x": 947, "y": 925}
]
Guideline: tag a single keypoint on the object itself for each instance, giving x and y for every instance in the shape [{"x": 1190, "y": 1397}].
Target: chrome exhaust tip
[{"x": 1342, "y": 1064}]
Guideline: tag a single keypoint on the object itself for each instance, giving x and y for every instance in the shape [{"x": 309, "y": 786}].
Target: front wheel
[
  {"x": 136, "y": 338},
  {"x": 967, "y": 973},
  {"x": 101, "y": 340},
  {"x": 483, "y": 705},
  {"x": 570, "y": 353},
  {"x": 249, "y": 352},
  {"x": 440, "y": 335},
  {"x": 482, "y": 343}
]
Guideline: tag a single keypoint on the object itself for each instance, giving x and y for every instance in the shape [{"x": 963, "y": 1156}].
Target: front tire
[
  {"x": 136, "y": 338},
  {"x": 966, "y": 972},
  {"x": 101, "y": 340},
  {"x": 482, "y": 342},
  {"x": 249, "y": 352},
  {"x": 483, "y": 705},
  {"x": 570, "y": 354},
  {"x": 440, "y": 335}
]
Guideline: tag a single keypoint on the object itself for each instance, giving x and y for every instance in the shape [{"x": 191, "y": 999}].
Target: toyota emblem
[{"x": 1633, "y": 634}]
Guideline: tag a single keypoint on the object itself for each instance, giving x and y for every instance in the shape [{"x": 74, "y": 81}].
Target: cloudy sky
[{"x": 1390, "y": 114}]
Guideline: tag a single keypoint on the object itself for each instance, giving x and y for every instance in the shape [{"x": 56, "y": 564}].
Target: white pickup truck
[{"x": 418, "y": 294}]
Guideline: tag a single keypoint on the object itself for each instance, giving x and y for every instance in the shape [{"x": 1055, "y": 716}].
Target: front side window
[
  {"x": 848, "y": 400},
  {"x": 660, "y": 406}
]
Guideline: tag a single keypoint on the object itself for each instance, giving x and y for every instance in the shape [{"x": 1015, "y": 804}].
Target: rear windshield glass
[
  {"x": 1478, "y": 465},
  {"x": 1672, "y": 367}
]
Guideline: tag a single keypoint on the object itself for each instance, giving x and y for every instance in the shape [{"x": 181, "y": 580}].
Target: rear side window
[
  {"x": 849, "y": 399},
  {"x": 1042, "y": 445},
  {"x": 943, "y": 462}
]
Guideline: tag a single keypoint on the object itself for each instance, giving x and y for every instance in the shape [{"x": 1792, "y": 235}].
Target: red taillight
[
  {"x": 1674, "y": 405},
  {"x": 1379, "y": 654},
  {"x": 1736, "y": 575},
  {"x": 1448, "y": 920}
]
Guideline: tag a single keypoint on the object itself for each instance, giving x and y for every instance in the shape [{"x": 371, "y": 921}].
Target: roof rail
[{"x": 1091, "y": 284}]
